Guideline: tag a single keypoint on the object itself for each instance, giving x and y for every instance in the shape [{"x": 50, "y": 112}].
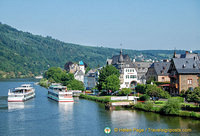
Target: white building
[
  {"x": 128, "y": 74},
  {"x": 130, "y": 78},
  {"x": 80, "y": 73}
]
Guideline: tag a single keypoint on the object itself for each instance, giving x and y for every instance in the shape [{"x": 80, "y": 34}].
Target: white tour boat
[
  {"x": 22, "y": 93},
  {"x": 59, "y": 93}
]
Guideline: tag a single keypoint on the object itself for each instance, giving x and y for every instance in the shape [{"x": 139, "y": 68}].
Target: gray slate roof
[
  {"x": 126, "y": 60},
  {"x": 161, "y": 68},
  {"x": 187, "y": 65},
  {"x": 79, "y": 73},
  {"x": 188, "y": 55},
  {"x": 91, "y": 73}
]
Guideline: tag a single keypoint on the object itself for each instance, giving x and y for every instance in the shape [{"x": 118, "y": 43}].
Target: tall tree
[
  {"x": 112, "y": 83},
  {"x": 104, "y": 73}
]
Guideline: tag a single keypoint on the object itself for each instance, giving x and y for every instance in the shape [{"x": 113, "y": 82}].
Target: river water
[{"x": 45, "y": 117}]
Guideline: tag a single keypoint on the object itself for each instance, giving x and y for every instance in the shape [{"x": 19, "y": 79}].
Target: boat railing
[
  {"x": 65, "y": 92},
  {"x": 19, "y": 92}
]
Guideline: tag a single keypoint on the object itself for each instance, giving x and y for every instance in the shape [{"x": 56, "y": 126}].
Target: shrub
[
  {"x": 141, "y": 88},
  {"x": 156, "y": 109},
  {"x": 139, "y": 105},
  {"x": 180, "y": 99},
  {"x": 148, "y": 105},
  {"x": 182, "y": 93},
  {"x": 159, "y": 102},
  {"x": 184, "y": 113},
  {"x": 171, "y": 107},
  {"x": 95, "y": 98},
  {"x": 44, "y": 82},
  {"x": 145, "y": 97},
  {"x": 125, "y": 91}
]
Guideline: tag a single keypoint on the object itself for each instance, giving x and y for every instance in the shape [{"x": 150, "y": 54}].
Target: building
[
  {"x": 187, "y": 54},
  {"x": 128, "y": 74},
  {"x": 184, "y": 74},
  {"x": 77, "y": 69},
  {"x": 90, "y": 79},
  {"x": 141, "y": 68},
  {"x": 71, "y": 67},
  {"x": 158, "y": 71}
]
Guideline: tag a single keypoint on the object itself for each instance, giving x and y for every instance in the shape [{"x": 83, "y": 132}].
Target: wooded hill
[{"x": 23, "y": 54}]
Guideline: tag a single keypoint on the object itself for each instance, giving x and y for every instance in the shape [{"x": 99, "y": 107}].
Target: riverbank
[
  {"x": 109, "y": 104},
  {"x": 156, "y": 107}
]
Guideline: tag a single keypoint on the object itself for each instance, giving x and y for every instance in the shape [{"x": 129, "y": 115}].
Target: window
[
  {"x": 127, "y": 76},
  {"x": 163, "y": 78},
  {"x": 189, "y": 81},
  {"x": 132, "y": 76}
]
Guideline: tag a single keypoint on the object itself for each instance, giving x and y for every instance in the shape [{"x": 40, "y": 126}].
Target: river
[{"x": 45, "y": 117}]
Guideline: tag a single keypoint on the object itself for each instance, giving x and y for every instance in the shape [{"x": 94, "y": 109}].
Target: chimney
[{"x": 186, "y": 52}]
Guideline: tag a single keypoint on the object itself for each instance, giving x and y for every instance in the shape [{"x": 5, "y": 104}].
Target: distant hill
[{"x": 23, "y": 54}]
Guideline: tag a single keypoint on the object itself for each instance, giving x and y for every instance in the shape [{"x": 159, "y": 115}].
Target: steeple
[
  {"x": 121, "y": 56},
  {"x": 174, "y": 56}
]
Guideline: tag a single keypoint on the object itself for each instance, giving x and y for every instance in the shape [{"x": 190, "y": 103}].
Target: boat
[
  {"x": 60, "y": 93},
  {"x": 21, "y": 94}
]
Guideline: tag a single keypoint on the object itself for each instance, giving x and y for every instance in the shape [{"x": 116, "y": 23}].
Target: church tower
[{"x": 82, "y": 66}]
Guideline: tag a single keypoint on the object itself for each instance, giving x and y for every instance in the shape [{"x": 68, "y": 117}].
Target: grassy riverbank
[
  {"x": 102, "y": 99},
  {"x": 161, "y": 108}
]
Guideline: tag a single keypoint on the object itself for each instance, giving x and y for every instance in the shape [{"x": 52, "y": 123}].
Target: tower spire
[
  {"x": 121, "y": 56},
  {"x": 174, "y": 56},
  {"x": 121, "y": 49}
]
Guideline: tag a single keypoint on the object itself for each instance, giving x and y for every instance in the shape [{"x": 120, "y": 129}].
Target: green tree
[
  {"x": 55, "y": 73},
  {"x": 112, "y": 83},
  {"x": 145, "y": 97},
  {"x": 155, "y": 91},
  {"x": 125, "y": 91},
  {"x": 141, "y": 88},
  {"x": 104, "y": 73},
  {"x": 193, "y": 96},
  {"x": 75, "y": 85}
]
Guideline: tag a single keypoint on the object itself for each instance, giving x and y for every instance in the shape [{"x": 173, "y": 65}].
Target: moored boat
[
  {"x": 21, "y": 94},
  {"x": 59, "y": 93}
]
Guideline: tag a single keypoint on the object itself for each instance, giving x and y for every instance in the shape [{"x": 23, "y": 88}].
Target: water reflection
[
  {"x": 15, "y": 105},
  {"x": 122, "y": 117},
  {"x": 66, "y": 107}
]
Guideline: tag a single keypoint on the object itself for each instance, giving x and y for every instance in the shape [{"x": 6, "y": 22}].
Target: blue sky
[{"x": 136, "y": 24}]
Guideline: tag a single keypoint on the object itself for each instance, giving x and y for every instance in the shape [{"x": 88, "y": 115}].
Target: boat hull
[
  {"x": 15, "y": 99},
  {"x": 60, "y": 100}
]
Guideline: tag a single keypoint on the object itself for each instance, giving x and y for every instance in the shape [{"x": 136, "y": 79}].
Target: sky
[{"x": 136, "y": 24}]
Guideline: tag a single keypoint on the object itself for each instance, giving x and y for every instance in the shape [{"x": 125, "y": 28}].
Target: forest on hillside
[{"x": 23, "y": 54}]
